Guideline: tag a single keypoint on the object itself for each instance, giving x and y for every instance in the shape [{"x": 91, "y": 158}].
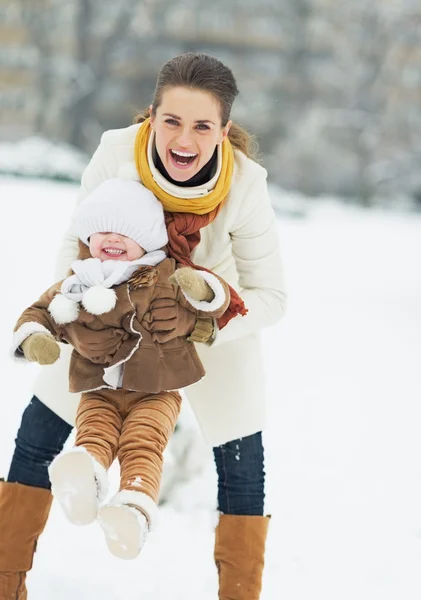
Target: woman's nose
[{"x": 184, "y": 138}]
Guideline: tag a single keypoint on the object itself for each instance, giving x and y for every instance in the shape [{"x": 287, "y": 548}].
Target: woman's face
[{"x": 187, "y": 127}]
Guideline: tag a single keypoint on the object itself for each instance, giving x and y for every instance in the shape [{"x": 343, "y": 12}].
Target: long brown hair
[{"x": 206, "y": 73}]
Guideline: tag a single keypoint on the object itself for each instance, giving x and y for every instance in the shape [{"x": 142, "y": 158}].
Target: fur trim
[
  {"x": 98, "y": 300},
  {"x": 101, "y": 475},
  {"x": 21, "y": 334},
  {"x": 139, "y": 499},
  {"x": 217, "y": 289},
  {"x": 112, "y": 375},
  {"x": 63, "y": 310}
]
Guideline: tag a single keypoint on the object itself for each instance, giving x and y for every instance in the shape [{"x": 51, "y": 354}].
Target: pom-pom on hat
[{"x": 126, "y": 207}]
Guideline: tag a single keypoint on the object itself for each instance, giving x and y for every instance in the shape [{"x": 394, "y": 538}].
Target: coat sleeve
[
  {"x": 101, "y": 167},
  {"x": 255, "y": 248},
  {"x": 36, "y": 319}
]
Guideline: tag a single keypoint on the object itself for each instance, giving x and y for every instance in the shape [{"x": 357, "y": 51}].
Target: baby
[{"x": 129, "y": 383}]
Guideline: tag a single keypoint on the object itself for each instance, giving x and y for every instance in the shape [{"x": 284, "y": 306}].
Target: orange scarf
[
  {"x": 185, "y": 217},
  {"x": 184, "y": 235}
]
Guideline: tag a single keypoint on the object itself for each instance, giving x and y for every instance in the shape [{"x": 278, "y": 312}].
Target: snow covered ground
[{"x": 343, "y": 442}]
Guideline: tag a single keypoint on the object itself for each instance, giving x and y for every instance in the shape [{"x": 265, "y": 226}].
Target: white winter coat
[{"x": 241, "y": 246}]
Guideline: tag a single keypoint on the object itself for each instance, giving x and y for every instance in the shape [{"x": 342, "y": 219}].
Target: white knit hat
[{"x": 126, "y": 207}]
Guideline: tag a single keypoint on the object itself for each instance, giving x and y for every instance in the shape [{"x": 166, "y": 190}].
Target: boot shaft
[
  {"x": 23, "y": 513},
  {"x": 240, "y": 555}
]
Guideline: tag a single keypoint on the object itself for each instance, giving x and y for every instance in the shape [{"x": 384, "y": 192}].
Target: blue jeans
[
  {"x": 41, "y": 436},
  {"x": 241, "y": 476},
  {"x": 239, "y": 463}
]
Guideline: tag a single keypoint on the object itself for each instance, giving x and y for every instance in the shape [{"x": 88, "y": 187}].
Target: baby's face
[{"x": 113, "y": 246}]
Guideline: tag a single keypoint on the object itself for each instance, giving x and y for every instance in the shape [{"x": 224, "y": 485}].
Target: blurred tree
[
  {"x": 94, "y": 50},
  {"x": 75, "y": 43}
]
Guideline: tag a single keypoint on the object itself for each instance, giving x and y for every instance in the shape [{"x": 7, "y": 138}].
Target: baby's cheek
[
  {"x": 94, "y": 248},
  {"x": 134, "y": 252}
]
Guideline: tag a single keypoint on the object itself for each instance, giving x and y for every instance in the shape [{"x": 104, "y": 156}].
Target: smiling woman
[
  {"x": 199, "y": 164},
  {"x": 187, "y": 137}
]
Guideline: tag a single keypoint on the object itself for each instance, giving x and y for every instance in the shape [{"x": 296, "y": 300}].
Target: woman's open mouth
[{"x": 182, "y": 159}]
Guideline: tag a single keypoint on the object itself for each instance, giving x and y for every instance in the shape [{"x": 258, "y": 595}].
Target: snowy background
[{"x": 343, "y": 443}]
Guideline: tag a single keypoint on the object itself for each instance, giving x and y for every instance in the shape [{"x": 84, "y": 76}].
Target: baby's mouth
[
  {"x": 113, "y": 252},
  {"x": 182, "y": 158}
]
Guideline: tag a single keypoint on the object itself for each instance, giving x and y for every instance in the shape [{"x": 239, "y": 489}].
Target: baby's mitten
[
  {"x": 192, "y": 284},
  {"x": 41, "y": 348}
]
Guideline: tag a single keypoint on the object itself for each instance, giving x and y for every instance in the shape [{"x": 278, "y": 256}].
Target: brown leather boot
[
  {"x": 239, "y": 556},
  {"x": 23, "y": 514}
]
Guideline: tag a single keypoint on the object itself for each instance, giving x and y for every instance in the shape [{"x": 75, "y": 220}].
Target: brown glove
[
  {"x": 168, "y": 319},
  {"x": 41, "y": 348},
  {"x": 192, "y": 283},
  {"x": 97, "y": 346}
]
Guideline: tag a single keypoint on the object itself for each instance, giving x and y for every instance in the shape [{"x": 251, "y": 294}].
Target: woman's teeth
[{"x": 182, "y": 158}]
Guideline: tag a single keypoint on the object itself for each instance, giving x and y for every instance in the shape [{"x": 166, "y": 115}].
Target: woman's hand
[
  {"x": 167, "y": 319},
  {"x": 96, "y": 346}
]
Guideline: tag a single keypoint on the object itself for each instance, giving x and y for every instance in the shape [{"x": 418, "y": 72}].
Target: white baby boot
[
  {"x": 79, "y": 482},
  {"x": 126, "y": 521}
]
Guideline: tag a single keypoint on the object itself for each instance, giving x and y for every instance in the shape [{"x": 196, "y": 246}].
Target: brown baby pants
[{"x": 134, "y": 427}]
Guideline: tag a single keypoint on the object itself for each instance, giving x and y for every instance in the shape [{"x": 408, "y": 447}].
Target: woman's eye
[
  {"x": 171, "y": 121},
  {"x": 202, "y": 126}
]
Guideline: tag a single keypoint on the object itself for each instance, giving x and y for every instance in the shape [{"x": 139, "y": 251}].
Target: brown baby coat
[{"x": 146, "y": 366}]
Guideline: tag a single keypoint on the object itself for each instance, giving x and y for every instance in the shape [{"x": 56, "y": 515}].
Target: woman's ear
[
  {"x": 151, "y": 115},
  {"x": 225, "y": 131}
]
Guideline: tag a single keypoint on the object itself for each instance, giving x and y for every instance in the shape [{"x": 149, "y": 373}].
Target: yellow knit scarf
[{"x": 198, "y": 206}]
